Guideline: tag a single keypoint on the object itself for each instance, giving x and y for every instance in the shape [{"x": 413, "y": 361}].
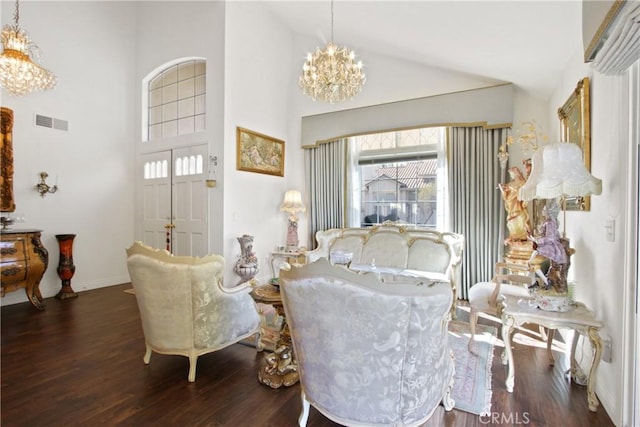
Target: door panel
[
  {"x": 156, "y": 197},
  {"x": 190, "y": 202}
]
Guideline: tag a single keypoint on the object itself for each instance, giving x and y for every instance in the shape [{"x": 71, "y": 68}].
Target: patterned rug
[{"x": 472, "y": 380}]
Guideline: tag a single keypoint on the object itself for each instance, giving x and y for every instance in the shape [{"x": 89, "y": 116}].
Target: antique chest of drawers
[{"x": 24, "y": 261}]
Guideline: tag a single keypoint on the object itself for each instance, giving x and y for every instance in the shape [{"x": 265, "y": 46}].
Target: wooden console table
[{"x": 24, "y": 261}]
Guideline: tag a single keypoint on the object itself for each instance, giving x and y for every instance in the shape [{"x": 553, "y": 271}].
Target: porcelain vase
[{"x": 247, "y": 265}]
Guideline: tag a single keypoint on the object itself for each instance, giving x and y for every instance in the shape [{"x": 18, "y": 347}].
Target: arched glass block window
[{"x": 176, "y": 100}]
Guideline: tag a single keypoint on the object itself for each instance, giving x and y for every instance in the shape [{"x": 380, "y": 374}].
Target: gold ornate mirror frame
[
  {"x": 575, "y": 127},
  {"x": 7, "y": 203}
]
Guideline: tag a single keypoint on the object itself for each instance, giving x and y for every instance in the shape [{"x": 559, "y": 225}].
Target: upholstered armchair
[
  {"x": 184, "y": 308},
  {"x": 368, "y": 353}
]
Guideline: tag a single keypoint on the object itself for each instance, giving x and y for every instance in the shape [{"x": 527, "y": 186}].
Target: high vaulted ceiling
[{"x": 527, "y": 43}]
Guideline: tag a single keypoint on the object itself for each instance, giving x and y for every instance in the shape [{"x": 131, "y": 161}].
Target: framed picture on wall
[
  {"x": 259, "y": 153},
  {"x": 575, "y": 127},
  {"x": 7, "y": 203}
]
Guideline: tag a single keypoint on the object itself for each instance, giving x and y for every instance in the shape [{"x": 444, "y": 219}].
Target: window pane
[
  {"x": 155, "y": 97},
  {"x": 186, "y": 89},
  {"x": 155, "y": 115},
  {"x": 170, "y": 76},
  {"x": 403, "y": 191},
  {"x": 201, "y": 67},
  {"x": 185, "y": 126},
  {"x": 170, "y": 129},
  {"x": 170, "y": 93},
  {"x": 400, "y": 191},
  {"x": 176, "y": 98},
  {"x": 186, "y": 70},
  {"x": 199, "y": 104},
  {"x": 186, "y": 108}
]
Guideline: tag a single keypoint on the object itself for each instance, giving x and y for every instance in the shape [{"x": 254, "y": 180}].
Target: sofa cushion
[{"x": 387, "y": 249}]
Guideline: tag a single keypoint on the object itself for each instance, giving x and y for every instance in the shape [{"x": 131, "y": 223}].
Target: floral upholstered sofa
[{"x": 395, "y": 250}]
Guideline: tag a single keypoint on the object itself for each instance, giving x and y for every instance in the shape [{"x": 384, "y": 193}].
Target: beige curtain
[
  {"x": 327, "y": 172},
  {"x": 475, "y": 201}
]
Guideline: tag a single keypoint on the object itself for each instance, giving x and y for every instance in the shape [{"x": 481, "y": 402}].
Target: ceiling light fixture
[
  {"x": 331, "y": 75},
  {"x": 19, "y": 75}
]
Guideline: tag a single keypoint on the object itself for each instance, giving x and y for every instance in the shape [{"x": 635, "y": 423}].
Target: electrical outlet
[{"x": 606, "y": 350}]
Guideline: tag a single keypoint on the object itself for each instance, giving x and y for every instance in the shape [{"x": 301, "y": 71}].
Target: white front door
[
  {"x": 190, "y": 201},
  {"x": 174, "y": 200},
  {"x": 156, "y": 198}
]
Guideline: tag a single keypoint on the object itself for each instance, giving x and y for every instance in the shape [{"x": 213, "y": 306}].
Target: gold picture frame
[
  {"x": 259, "y": 153},
  {"x": 575, "y": 127},
  {"x": 7, "y": 202}
]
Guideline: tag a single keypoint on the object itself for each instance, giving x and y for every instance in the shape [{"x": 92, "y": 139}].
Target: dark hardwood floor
[{"x": 79, "y": 363}]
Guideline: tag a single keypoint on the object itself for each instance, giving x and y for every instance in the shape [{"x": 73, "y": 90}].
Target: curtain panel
[
  {"x": 475, "y": 201},
  {"x": 327, "y": 176}
]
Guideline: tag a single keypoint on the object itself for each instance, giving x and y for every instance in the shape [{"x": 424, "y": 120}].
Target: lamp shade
[
  {"x": 292, "y": 202},
  {"x": 558, "y": 170}
]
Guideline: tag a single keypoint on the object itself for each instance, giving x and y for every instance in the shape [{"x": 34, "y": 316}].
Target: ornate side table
[
  {"x": 279, "y": 257},
  {"x": 280, "y": 367},
  {"x": 581, "y": 319},
  {"x": 24, "y": 261}
]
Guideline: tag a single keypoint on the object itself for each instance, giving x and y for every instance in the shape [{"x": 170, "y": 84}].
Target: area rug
[{"x": 472, "y": 379}]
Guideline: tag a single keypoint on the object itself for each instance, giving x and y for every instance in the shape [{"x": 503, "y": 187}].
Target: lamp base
[{"x": 292, "y": 235}]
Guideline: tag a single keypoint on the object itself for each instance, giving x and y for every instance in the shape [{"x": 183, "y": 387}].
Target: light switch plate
[{"x": 611, "y": 230}]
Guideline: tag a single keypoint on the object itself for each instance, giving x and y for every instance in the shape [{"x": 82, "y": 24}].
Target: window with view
[{"x": 398, "y": 174}]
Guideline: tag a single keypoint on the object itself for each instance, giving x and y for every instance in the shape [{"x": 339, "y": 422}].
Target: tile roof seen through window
[{"x": 408, "y": 172}]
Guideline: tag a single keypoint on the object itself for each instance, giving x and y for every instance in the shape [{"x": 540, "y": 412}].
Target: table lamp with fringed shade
[
  {"x": 557, "y": 171},
  {"x": 292, "y": 204}
]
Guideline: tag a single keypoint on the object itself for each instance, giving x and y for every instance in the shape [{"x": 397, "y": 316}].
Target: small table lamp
[
  {"x": 292, "y": 204},
  {"x": 558, "y": 171}
]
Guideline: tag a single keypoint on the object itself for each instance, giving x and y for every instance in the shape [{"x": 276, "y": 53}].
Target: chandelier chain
[
  {"x": 16, "y": 15},
  {"x": 331, "y": 20}
]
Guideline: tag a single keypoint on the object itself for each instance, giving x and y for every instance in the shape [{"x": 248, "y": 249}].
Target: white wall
[
  {"x": 598, "y": 265},
  {"x": 389, "y": 79},
  {"x": 257, "y": 92},
  {"x": 85, "y": 45}
]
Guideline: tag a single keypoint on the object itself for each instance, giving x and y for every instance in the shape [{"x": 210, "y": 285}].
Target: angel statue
[{"x": 518, "y": 222}]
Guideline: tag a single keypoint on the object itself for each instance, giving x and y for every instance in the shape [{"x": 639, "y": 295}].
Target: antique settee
[
  {"x": 184, "y": 308},
  {"x": 396, "y": 250},
  {"x": 369, "y": 353}
]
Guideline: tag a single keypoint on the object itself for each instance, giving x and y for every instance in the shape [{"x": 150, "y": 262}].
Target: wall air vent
[
  {"x": 51, "y": 123},
  {"x": 60, "y": 124},
  {"x": 43, "y": 121}
]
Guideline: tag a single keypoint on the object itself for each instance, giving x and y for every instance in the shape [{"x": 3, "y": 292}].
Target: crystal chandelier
[
  {"x": 331, "y": 75},
  {"x": 19, "y": 75}
]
